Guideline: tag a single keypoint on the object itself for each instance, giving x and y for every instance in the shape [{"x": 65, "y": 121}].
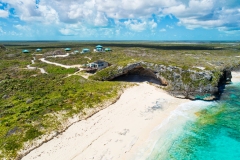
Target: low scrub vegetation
[
  {"x": 33, "y": 104},
  {"x": 26, "y": 103}
]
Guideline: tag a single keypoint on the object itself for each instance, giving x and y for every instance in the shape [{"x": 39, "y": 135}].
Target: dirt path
[
  {"x": 61, "y": 65},
  {"x": 57, "y": 64},
  {"x": 33, "y": 68},
  {"x": 65, "y": 55}
]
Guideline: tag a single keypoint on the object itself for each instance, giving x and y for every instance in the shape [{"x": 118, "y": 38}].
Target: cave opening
[{"x": 139, "y": 74}]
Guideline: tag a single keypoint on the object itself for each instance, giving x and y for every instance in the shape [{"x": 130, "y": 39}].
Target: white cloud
[
  {"x": 135, "y": 25},
  {"x": 152, "y": 24},
  {"x": 48, "y": 15},
  {"x": 72, "y": 29},
  {"x": 2, "y": 32},
  {"x": 221, "y": 18},
  {"x": 67, "y": 32},
  {"x": 118, "y": 31},
  {"x": 135, "y": 15},
  {"x": 26, "y": 30},
  {"x": 9, "y": 33},
  {"x": 163, "y": 30},
  {"x": 13, "y": 33},
  {"x": 74, "y": 11},
  {"x": 125, "y": 9},
  {"x": 170, "y": 27},
  {"x": 22, "y": 28},
  {"x": 106, "y": 32},
  {"x": 29, "y": 11},
  {"x": 139, "y": 25},
  {"x": 84, "y": 32},
  {"x": 204, "y": 13},
  {"x": 4, "y": 13},
  {"x": 100, "y": 20},
  {"x": 194, "y": 8},
  {"x": 193, "y": 23}
]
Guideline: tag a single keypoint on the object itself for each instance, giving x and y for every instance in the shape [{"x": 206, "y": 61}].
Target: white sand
[
  {"x": 58, "y": 64},
  {"x": 115, "y": 132},
  {"x": 235, "y": 76}
]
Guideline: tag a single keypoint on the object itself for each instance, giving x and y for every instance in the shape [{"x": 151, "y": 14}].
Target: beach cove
[
  {"x": 143, "y": 123},
  {"x": 116, "y": 132}
]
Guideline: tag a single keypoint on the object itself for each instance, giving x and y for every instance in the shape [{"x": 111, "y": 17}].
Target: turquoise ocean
[{"x": 199, "y": 130}]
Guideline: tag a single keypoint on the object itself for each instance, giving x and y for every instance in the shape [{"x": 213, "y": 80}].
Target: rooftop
[
  {"x": 99, "y": 46},
  {"x": 25, "y": 51},
  {"x": 67, "y": 49},
  {"x": 108, "y": 49}
]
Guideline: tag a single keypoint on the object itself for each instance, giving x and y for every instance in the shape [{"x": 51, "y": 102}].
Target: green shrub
[{"x": 32, "y": 133}]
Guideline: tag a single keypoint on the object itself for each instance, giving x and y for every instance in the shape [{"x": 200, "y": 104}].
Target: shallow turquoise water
[{"x": 213, "y": 135}]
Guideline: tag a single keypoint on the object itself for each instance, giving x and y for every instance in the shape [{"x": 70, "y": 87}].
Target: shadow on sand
[{"x": 136, "y": 79}]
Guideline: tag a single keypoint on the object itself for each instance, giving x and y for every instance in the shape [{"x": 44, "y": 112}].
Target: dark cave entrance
[{"x": 139, "y": 74}]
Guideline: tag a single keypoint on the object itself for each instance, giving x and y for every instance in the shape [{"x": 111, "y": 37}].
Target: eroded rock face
[
  {"x": 181, "y": 83},
  {"x": 188, "y": 83}
]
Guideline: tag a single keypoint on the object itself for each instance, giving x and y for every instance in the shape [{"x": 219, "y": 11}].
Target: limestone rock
[
  {"x": 163, "y": 81},
  {"x": 182, "y": 83}
]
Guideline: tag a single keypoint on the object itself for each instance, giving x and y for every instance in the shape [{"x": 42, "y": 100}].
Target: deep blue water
[{"x": 213, "y": 135}]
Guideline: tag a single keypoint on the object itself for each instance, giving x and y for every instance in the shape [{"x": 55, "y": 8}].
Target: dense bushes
[{"x": 25, "y": 102}]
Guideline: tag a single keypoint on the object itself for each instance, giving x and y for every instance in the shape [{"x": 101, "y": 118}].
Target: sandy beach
[
  {"x": 115, "y": 132},
  {"x": 119, "y": 131},
  {"x": 235, "y": 76}
]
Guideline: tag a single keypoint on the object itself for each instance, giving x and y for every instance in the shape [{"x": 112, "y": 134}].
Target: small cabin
[
  {"x": 100, "y": 64},
  {"x": 38, "y": 50},
  {"x": 76, "y": 51},
  {"x": 85, "y": 50},
  {"x": 25, "y": 51},
  {"x": 67, "y": 49},
  {"x": 99, "y": 48},
  {"x": 92, "y": 65},
  {"x": 108, "y": 50}
]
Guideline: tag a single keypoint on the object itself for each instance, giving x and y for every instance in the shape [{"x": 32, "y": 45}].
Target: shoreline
[
  {"x": 235, "y": 76},
  {"x": 115, "y": 132},
  {"x": 120, "y": 131}
]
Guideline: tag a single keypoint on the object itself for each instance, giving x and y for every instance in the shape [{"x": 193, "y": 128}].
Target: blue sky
[{"x": 120, "y": 20}]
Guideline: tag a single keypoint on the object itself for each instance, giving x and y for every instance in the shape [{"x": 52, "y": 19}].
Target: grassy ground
[
  {"x": 30, "y": 101},
  {"x": 203, "y": 55}
]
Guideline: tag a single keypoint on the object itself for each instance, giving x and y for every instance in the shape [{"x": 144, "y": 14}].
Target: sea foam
[{"x": 163, "y": 135}]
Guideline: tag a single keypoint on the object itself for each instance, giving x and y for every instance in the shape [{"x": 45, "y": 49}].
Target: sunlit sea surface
[{"x": 199, "y": 130}]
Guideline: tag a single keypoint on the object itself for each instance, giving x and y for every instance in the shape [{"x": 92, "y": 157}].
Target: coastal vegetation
[{"x": 33, "y": 104}]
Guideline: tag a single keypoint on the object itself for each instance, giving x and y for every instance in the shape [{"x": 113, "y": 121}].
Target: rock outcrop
[
  {"x": 179, "y": 82},
  {"x": 2, "y": 47}
]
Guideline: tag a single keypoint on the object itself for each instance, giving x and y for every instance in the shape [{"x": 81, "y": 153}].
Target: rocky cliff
[
  {"x": 2, "y": 47},
  {"x": 180, "y": 82}
]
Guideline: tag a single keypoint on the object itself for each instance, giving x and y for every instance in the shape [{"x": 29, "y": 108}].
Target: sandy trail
[
  {"x": 64, "y": 55},
  {"x": 115, "y": 132},
  {"x": 34, "y": 68},
  {"x": 58, "y": 64}
]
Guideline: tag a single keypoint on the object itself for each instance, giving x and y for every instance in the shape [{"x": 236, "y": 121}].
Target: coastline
[
  {"x": 235, "y": 76},
  {"x": 168, "y": 132},
  {"x": 116, "y": 132},
  {"x": 127, "y": 129}
]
